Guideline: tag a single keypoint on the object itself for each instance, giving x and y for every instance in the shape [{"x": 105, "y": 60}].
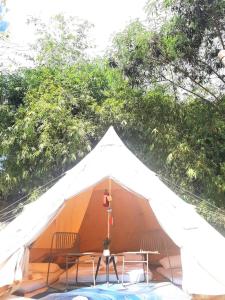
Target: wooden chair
[
  {"x": 158, "y": 240},
  {"x": 154, "y": 241},
  {"x": 62, "y": 244}
]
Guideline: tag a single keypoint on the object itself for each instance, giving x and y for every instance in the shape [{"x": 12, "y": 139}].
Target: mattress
[
  {"x": 133, "y": 273},
  {"x": 174, "y": 275}
]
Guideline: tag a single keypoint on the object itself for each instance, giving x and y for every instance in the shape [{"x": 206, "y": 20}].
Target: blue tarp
[
  {"x": 153, "y": 291},
  {"x": 3, "y": 26}
]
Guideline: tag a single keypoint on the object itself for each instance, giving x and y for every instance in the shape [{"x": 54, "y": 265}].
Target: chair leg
[
  {"x": 49, "y": 264},
  {"x": 66, "y": 273},
  {"x": 77, "y": 262}
]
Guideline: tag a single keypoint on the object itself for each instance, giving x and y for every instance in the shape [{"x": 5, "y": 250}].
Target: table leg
[
  {"x": 147, "y": 269},
  {"x": 93, "y": 269},
  {"x": 123, "y": 268},
  {"x": 115, "y": 269},
  {"x": 98, "y": 265}
]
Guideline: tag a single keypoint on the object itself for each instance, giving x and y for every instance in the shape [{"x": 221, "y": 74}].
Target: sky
[{"x": 107, "y": 16}]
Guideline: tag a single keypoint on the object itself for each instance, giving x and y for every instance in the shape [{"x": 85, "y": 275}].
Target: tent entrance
[{"x": 86, "y": 215}]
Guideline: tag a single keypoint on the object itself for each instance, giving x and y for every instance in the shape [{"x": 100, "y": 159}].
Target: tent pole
[
  {"x": 108, "y": 231},
  {"x": 109, "y": 210}
]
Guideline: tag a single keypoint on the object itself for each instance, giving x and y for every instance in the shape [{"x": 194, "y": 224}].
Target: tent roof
[{"x": 202, "y": 247}]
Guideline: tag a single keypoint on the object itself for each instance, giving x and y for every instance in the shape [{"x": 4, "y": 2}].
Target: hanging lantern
[{"x": 106, "y": 199}]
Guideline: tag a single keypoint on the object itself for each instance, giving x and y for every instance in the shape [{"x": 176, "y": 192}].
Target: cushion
[
  {"x": 34, "y": 276},
  {"x": 37, "y": 281},
  {"x": 28, "y": 286},
  {"x": 85, "y": 258},
  {"x": 173, "y": 261},
  {"x": 43, "y": 268}
]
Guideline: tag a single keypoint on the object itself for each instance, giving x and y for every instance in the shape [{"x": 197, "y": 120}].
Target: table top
[
  {"x": 83, "y": 253},
  {"x": 94, "y": 254},
  {"x": 138, "y": 252}
]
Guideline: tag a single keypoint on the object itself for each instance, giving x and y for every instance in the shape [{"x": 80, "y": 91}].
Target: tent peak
[{"x": 110, "y": 138}]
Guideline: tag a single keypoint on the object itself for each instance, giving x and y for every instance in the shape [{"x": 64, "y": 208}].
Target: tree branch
[
  {"x": 219, "y": 33},
  {"x": 211, "y": 68},
  {"x": 174, "y": 86},
  {"x": 194, "y": 81},
  {"x": 187, "y": 90},
  {"x": 184, "y": 72}
]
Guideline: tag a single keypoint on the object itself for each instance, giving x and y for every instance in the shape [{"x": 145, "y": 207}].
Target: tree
[
  {"x": 43, "y": 139},
  {"x": 181, "y": 51},
  {"x": 51, "y": 115},
  {"x": 130, "y": 53},
  {"x": 54, "y": 118},
  {"x": 62, "y": 42},
  {"x": 189, "y": 43}
]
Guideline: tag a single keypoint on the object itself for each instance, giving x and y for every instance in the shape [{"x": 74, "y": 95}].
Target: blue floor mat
[{"x": 153, "y": 291}]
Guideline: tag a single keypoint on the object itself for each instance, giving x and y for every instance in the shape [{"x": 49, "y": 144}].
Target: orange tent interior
[{"x": 86, "y": 215}]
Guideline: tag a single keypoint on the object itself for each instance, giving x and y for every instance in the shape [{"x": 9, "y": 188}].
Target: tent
[{"x": 141, "y": 201}]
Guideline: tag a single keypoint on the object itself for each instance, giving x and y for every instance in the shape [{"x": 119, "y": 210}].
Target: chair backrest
[
  {"x": 65, "y": 241},
  {"x": 156, "y": 240}
]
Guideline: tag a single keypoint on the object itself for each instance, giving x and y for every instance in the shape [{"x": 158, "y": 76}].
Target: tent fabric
[{"x": 202, "y": 247}]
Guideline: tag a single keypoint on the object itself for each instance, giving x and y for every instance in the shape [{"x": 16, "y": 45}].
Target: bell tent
[{"x": 141, "y": 202}]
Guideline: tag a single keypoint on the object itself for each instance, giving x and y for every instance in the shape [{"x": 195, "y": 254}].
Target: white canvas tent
[{"x": 154, "y": 205}]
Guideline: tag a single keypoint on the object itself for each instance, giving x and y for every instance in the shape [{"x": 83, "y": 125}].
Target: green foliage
[
  {"x": 53, "y": 114},
  {"x": 131, "y": 47},
  {"x": 50, "y": 136},
  {"x": 62, "y": 42},
  {"x": 12, "y": 89},
  {"x": 182, "y": 51},
  {"x": 58, "y": 120}
]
